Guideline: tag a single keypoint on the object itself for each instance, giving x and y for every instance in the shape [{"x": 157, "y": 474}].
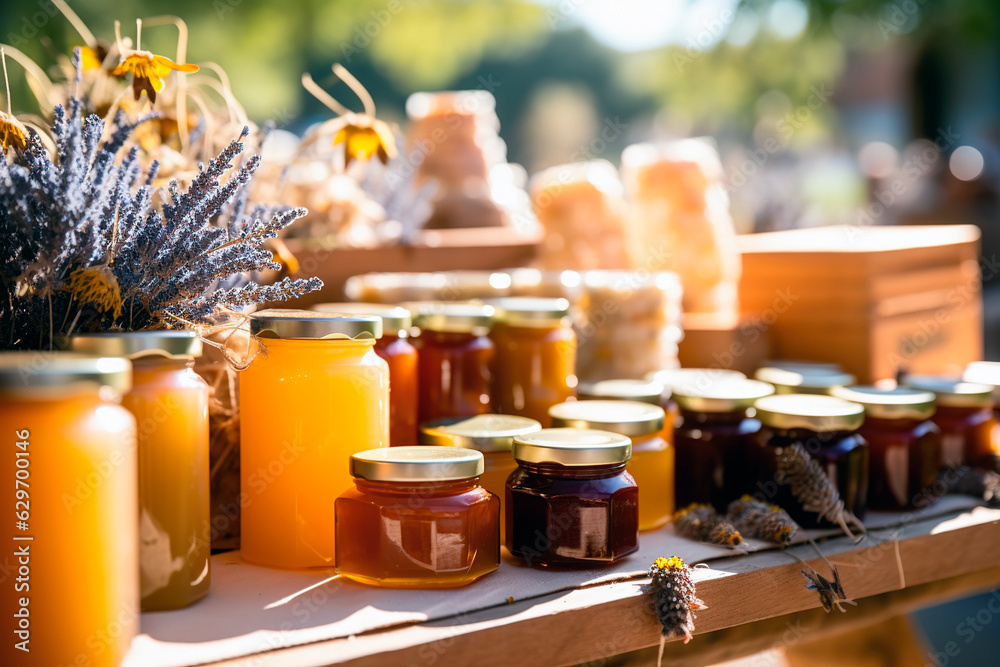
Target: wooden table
[{"x": 754, "y": 602}]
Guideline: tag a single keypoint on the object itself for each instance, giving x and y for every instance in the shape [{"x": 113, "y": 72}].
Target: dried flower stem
[{"x": 812, "y": 488}]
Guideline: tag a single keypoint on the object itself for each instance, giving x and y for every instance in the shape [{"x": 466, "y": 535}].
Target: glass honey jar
[
  {"x": 395, "y": 347},
  {"x": 801, "y": 378},
  {"x": 715, "y": 431},
  {"x": 904, "y": 445},
  {"x": 969, "y": 431},
  {"x": 417, "y": 517},
  {"x": 652, "y": 462},
  {"x": 824, "y": 428},
  {"x": 170, "y": 404},
  {"x": 71, "y": 472},
  {"x": 571, "y": 501},
  {"x": 535, "y": 365},
  {"x": 456, "y": 357},
  {"x": 315, "y": 394},
  {"x": 644, "y": 391},
  {"x": 493, "y": 435},
  {"x": 986, "y": 372}
]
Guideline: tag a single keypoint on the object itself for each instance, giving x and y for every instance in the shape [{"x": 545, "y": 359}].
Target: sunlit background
[
  {"x": 820, "y": 108},
  {"x": 816, "y": 105}
]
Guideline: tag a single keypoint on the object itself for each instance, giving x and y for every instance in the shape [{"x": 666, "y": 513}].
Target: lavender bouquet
[{"x": 87, "y": 243}]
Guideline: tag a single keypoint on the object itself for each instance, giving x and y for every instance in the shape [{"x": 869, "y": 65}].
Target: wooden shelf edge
[{"x": 595, "y": 623}]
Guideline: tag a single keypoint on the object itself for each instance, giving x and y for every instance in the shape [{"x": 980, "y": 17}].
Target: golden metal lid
[
  {"x": 57, "y": 371},
  {"x": 983, "y": 372},
  {"x": 803, "y": 366},
  {"x": 727, "y": 394},
  {"x": 528, "y": 311},
  {"x": 952, "y": 392},
  {"x": 803, "y": 380},
  {"x": 812, "y": 412},
  {"x": 573, "y": 447},
  {"x": 394, "y": 318},
  {"x": 459, "y": 317},
  {"x": 693, "y": 376},
  {"x": 174, "y": 344},
  {"x": 632, "y": 418},
  {"x": 486, "y": 433},
  {"x": 417, "y": 464},
  {"x": 896, "y": 403},
  {"x": 647, "y": 391},
  {"x": 310, "y": 325}
]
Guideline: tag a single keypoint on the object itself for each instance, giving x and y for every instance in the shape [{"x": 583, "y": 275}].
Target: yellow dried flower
[
  {"x": 92, "y": 57},
  {"x": 12, "y": 133},
  {"x": 365, "y": 137},
  {"x": 672, "y": 563},
  {"x": 148, "y": 72},
  {"x": 97, "y": 286}
]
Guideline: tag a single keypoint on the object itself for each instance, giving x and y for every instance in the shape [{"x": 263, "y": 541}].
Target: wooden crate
[
  {"x": 435, "y": 250},
  {"x": 875, "y": 300},
  {"x": 713, "y": 341}
]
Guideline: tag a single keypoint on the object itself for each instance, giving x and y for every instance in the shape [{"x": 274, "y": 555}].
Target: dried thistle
[
  {"x": 812, "y": 488},
  {"x": 703, "y": 523},
  {"x": 831, "y": 593},
  {"x": 674, "y": 596},
  {"x": 966, "y": 481},
  {"x": 761, "y": 520}
]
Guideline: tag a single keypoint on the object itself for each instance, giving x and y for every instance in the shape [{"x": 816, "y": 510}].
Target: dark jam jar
[
  {"x": 822, "y": 427},
  {"x": 804, "y": 378},
  {"x": 455, "y": 357},
  {"x": 715, "y": 431},
  {"x": 644, "y": 391},
  {"x": 671, "y": 376},
  {"x": 397, "y": 351},
  {"x": 904, "y": 445},
  {"x": 986, "y": 372},
  {"x": 965, "y": 416},
  {"x": 571, "y": 502}
]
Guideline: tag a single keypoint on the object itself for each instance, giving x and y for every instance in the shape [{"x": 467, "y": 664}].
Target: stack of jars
[
  {"x": 512, "y": 450},
  {"x": 110, "y": 463}
]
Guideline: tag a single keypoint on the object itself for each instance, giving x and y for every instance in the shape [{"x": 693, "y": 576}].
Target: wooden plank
[{"x": 592, "y": 624}]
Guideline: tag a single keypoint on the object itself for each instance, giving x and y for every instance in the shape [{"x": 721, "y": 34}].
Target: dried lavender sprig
[
  {"x": 674, "y": 597},
  {"x": 811, "y": 487},
  {"x": 703, "y": 523},
  {"x": 759, "y": 519}
]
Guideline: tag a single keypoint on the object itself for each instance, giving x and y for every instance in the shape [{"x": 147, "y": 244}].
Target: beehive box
[{"x": 876, "y": 300}]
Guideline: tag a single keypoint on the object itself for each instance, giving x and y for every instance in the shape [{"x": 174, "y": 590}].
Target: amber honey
[
  {"x": 417, "y": 517},
  {"x": 399, "y": 353},
  {"x": 535, "y": 366},
  {"x": 170, "y": 404},
  {"x": 652, "y": 462},
  {"x": 60, "y": 414},
  {"x": 318, "y": 395},
  {"x": 493, "y": 435}
]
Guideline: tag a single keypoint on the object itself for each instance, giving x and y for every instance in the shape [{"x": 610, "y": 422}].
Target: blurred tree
[{"x": 264, "y": 45}]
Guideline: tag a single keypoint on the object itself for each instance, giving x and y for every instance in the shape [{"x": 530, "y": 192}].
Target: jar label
[
  {"x": 592, "y": 532},
  {"x": 897, "y": 472},
  {"x": 952, "y": 450}
]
